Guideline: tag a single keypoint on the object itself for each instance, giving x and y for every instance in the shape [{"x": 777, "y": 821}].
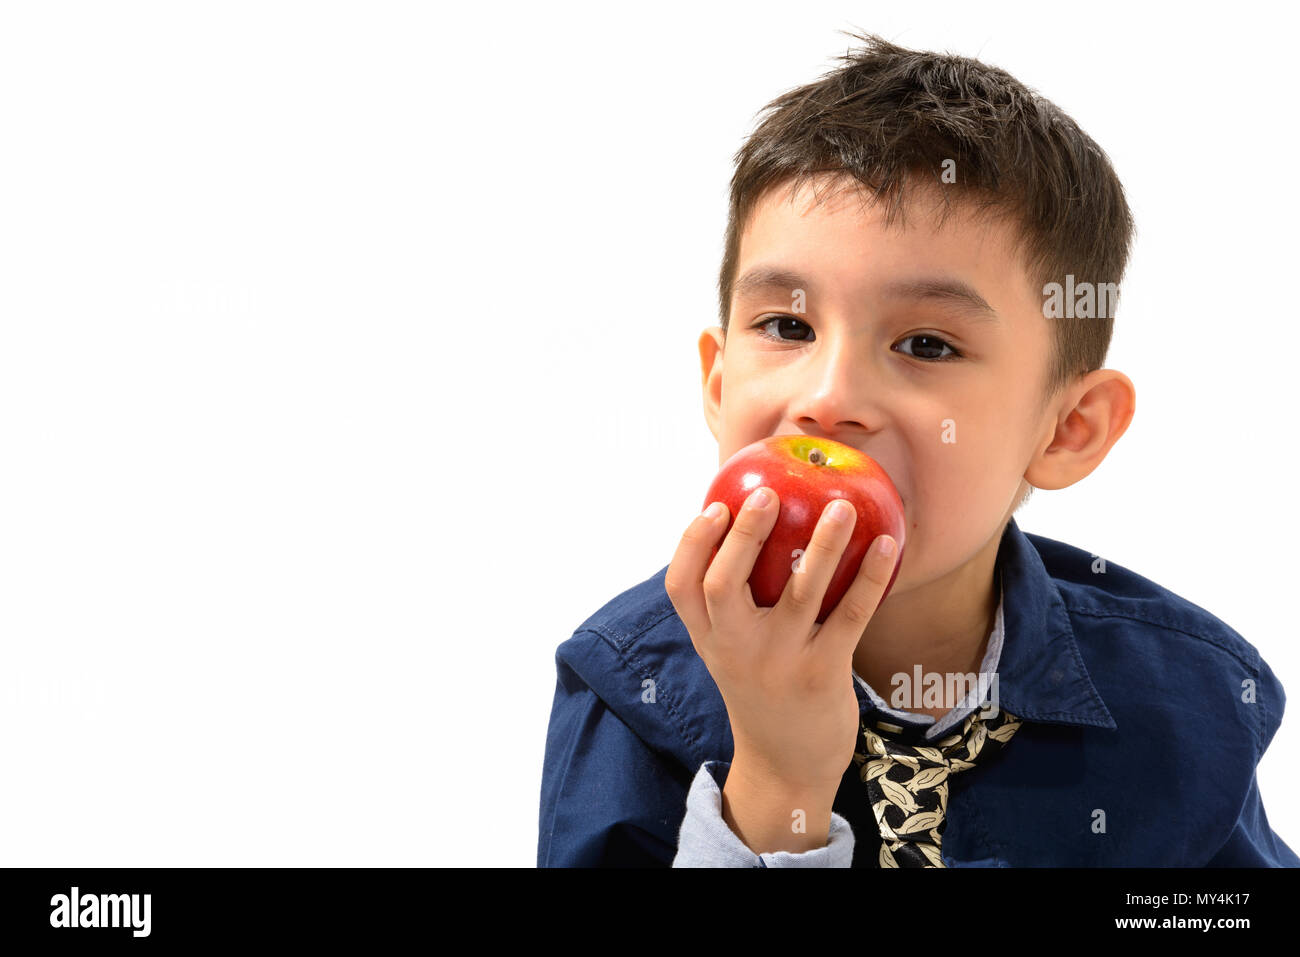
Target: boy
[{"x": 899, "y": 236}]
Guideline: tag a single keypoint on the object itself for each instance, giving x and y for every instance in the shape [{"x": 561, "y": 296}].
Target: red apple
[{"x": 807, "y": 474}]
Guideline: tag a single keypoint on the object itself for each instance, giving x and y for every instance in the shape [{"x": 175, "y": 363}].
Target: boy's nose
[{"x": 838, "y": 395}]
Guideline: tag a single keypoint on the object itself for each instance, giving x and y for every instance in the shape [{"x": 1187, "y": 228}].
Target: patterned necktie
[{"x": 908, "y": 785}]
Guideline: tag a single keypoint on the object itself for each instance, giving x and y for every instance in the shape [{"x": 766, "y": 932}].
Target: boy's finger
[
  {"x": 844, "y": 626},
  {"x": 801, "y": 599},
  {"x": 684, "y": 580},
  {"x": 726, "y": 584}
]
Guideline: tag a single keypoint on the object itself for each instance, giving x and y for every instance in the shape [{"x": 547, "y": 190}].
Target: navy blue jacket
[{"x": 1135, "y": 703}]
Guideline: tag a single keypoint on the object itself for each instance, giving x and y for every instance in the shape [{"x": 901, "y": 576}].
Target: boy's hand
[{"x": 786, "y": 681}]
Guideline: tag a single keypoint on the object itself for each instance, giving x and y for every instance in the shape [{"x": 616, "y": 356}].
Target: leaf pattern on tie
[
  {"x": 929, "y": 778},
  {"x": 923, "y": 821},
  {"x": 920, "y": 799},
  {"x": 875, "y": 769},
  {"x": 976, "y": 742},
  {"x": 1003, "y": 734},
  {"x": 886, "y": 831},
  {"x": 898, "y": 794},
  {"x": 906, "y": 760},
  {"x": 932, "y": 853},
  {"x": 875, "y": 743}
]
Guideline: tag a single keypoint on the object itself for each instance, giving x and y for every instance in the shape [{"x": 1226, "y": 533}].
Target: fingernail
[
  {"x": 885, "y": 546},
  {"x": 839, "y": 511},
  {"x": 713, "y": 511},
  {"x": 759, "y": 498}
]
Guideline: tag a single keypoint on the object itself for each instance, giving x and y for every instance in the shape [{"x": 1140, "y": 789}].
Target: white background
[{"x": 348, "y": 364}]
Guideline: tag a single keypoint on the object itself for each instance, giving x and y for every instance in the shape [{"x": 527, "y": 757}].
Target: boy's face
[{"x": 956, "y": 433}]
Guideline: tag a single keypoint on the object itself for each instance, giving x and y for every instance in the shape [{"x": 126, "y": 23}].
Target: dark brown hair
[{"x": 889, "y": 115}]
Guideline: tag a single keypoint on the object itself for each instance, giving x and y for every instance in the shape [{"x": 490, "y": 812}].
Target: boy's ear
[
  {"x": 1090, "y": 418},
  {"x": 711, "y": 345}
]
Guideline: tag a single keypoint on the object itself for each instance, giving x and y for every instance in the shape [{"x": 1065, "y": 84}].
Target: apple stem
[{"x": 817, "y": 457}]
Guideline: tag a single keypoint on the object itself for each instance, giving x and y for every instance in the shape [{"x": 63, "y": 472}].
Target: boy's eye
[
  {"x": 929, "y": 348},
  {"x": 763, "y": 324}
]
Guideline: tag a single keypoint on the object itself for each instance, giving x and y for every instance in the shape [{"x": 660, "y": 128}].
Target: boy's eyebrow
[
  {"x": 764, "y": 278},
  {"x": 946, "y": 289}
]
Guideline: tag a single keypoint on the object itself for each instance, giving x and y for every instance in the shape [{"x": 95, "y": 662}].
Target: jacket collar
[{"x": 1041, "y": 675}]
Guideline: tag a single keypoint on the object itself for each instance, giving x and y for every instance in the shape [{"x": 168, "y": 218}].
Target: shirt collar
[{"x": 895, "y": 721}]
